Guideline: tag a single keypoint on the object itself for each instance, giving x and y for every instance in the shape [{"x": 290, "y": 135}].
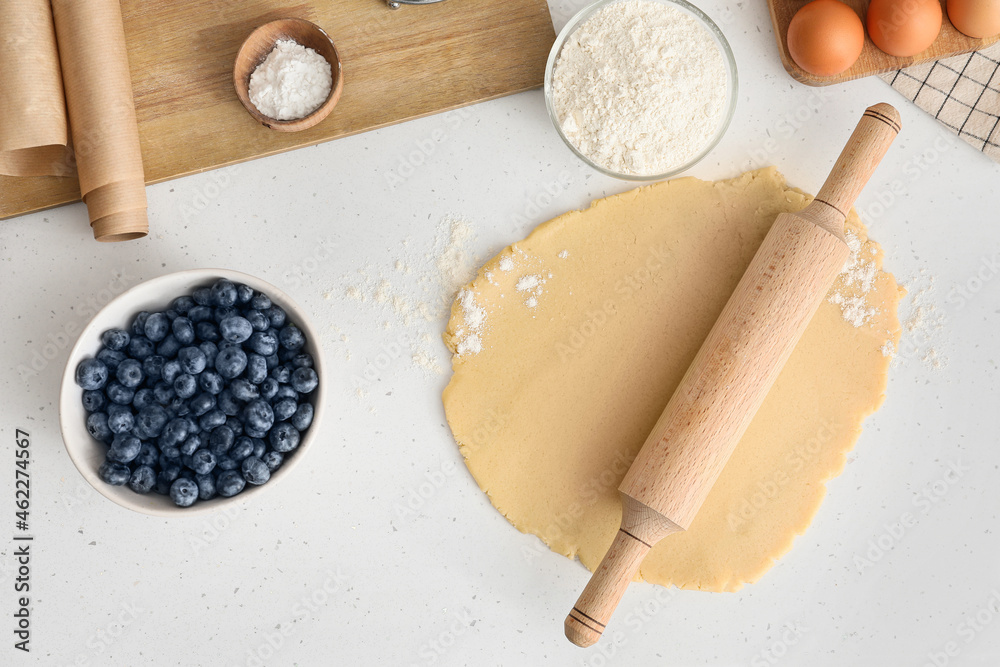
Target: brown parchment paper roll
[
  {"x": 98, "y": 90},
  {"x": 33, "y": 134}
]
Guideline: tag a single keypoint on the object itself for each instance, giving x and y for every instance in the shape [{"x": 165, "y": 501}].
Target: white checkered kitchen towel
[{"x": 962, "y": 92}]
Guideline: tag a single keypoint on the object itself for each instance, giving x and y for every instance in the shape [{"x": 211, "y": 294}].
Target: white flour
[
  {"x": 855, "y": 282},
  {"x": 292, "y": 82},
  {"x": 640, "y": 87}
]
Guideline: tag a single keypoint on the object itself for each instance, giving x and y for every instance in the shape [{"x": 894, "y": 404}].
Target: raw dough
[{"x": 553, "y": 409}]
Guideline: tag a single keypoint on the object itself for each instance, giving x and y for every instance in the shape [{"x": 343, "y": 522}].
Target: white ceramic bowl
[
  {"x": 156, "y": 294},
  {"x": 732, "y": 85}
]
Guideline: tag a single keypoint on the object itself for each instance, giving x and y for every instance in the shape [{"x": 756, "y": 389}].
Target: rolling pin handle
[{"x": 586, "y": 621}]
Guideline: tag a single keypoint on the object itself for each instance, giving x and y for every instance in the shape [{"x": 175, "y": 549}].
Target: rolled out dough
[{"x": 552, "y": 410}]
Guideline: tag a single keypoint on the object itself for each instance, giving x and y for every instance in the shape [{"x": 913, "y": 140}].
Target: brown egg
[
  {"x": 975, "y": 18},
  {"x": 825, "y": 37},
  {"x": 904, "y": 27}
]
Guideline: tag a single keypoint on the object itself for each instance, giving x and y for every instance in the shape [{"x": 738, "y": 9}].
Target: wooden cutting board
[
  {"x": 398, "y": 64},
  {"x": 950, "y": 42}
]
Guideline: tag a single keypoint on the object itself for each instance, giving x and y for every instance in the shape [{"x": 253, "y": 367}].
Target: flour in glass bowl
[{"x": 640, "y": 87}]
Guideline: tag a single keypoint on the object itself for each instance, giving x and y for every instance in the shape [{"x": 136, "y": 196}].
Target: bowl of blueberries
[{"x": 192, "y": 390}]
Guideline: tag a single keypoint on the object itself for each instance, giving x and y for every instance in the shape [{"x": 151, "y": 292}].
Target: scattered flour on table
[
  {"x": 640, "y": 87},
  {"x": 923, "y": 323},
  {"x": 855, "y": 283}
]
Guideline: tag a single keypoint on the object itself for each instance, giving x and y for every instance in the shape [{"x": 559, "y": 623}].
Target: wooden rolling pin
[{"x": 732, "y": 373}]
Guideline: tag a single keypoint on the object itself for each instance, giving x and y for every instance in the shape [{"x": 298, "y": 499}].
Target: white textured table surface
[{"x": 369, "y": 555}]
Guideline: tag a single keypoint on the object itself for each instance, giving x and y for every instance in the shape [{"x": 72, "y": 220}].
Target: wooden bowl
[{"x": 261, "y": 42}]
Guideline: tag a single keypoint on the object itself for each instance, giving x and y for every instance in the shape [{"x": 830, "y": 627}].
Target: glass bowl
[{"x": 732, "y": 84}]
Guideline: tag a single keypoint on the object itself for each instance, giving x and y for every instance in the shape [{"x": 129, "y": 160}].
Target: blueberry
[
  {"x": 235, "y": 424},
  {"x": 227, "y": 403},
  {"x": 140, "y": 347},
  {"x": 142, "y": 398},
  {"x": 206, "y": 486},
  {"x": 202, "y": 462},
  {"x": 277, "y": 316},
  {"x": 272, "y": 460},
  {"x": 272, "y": 361},
  {"x": 291, "y": 337},
  {"x": 192, "y": 360},
  {"x": 202, "y": 403},
  {"x": 207, "y": 331},
  {"x": 168, "y": 347},
  {"x": 91, "y": 374},
  {"x": 259, "y": 447},
  {"x": 114, "y": 473},
  {"x": 152, "y": 366},
  {"x": 185, "y": 385},
  {"x": 223, "y": 293},
  {"x": 182, "y": 304},
  {"x": 286, "y": 391},
  {"x": 115, "y": 339},
  {"x": 243, "y": 293},
  {"x": 163, "y": 392},
  {"x": 202, "y": 296},
  {"x": 157, "y": 326},
  {"x": 200, "y": 314},
  {"x": 303, "y": 417},
  {"x": 124, "y": 448},
  {"x": 211, "y": 419},
  {"x": 282, "y": 374},
  {"x": 171, "y": 314},
  {"x": 120, "y": 418},
  {"x": 190, "y": 445},
  {"x": 143, "y": 479},
  {"x": 171, "y": 369},
  {"x": 118, "y": 393},
  {"x": 220, "y": 314},
  {"x": 226, "y": 463},
  {"x": 97, "y": 426},
  {"x": 284, "y": 437},
  {"x": 284, "y": 408},
  {"x": 211, "y": 382},
  {"x": 303, "y": 360},
  {"x": 243, "y": 390},
  {"x": 264, "y": 343},
  {"x": 149, "y": 455},
  {"x": 221, "y": 440},
  {"x": 241, "y": 449},
  {"x": 149, "y": 421},
  {"x": 258, "y": 320},
  {"x": 268, "y": 388},
  {"x": 235, "y": 329},
  {"x": 173, "y": 433},
  {"x": 285, "y": 356},
  {"x": 184, "y": 492},
  {"x": 129, "y": 373},
  {"x": 260, "y": 302},
  {"x": 304, "y": 380},
  {"x": 256, "y": 371},
  {"x": 169, "y": 455},
  {"x": 254, "y": 432},
  {"x": 259, "y": 415},
  {"x": 139, "y": 323},
  {"x": 230, "y": 483},
  {"x": 255, "y": 471},
  {"x": 183, "y": 330},
  {"x": 111, "y": 358},
  {"x": 93, "y": 400},
  {"x": 230, "y": 362}
]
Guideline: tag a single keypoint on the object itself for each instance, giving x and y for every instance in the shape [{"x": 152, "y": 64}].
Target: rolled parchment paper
[
  {"x": 33, "y": 134},
  {"x": 102, "y": 116}
]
